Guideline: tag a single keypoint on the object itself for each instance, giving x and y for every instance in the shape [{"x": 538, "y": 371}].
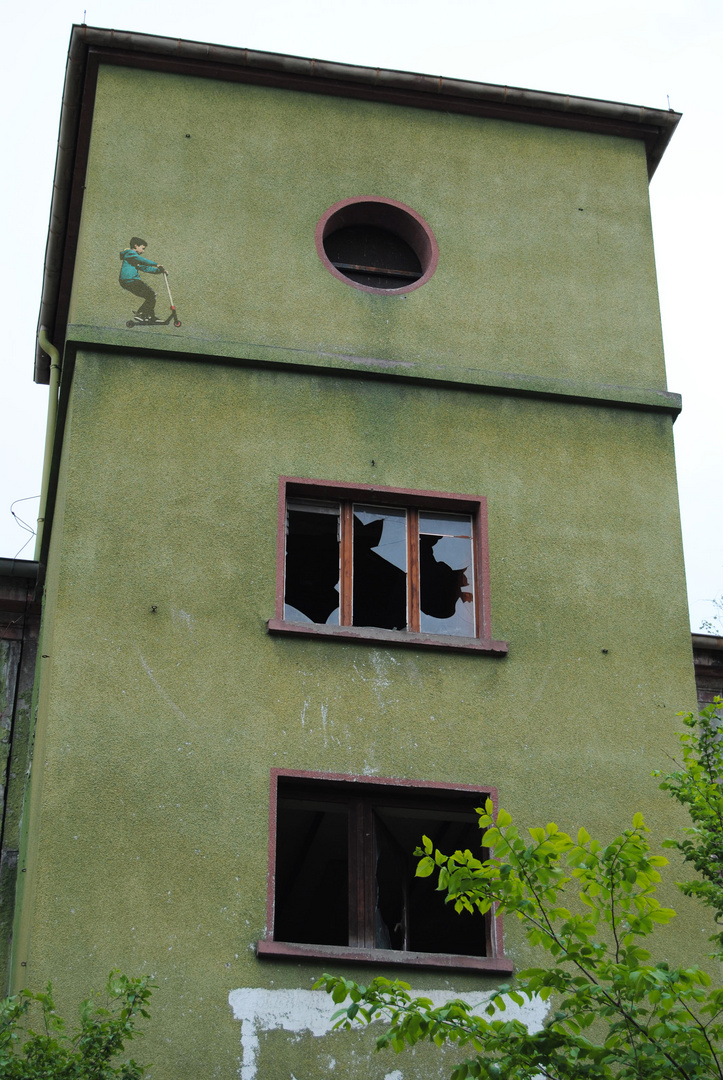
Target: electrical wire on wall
[{"x": 23, "y": 524}]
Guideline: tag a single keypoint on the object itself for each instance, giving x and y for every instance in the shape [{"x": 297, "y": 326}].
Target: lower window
[{"x": 342, "y": 872}]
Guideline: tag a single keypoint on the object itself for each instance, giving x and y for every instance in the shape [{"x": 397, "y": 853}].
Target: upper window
[
  {"x": 373, "y": 256},
  {"x": 357, "y": 561},
  {"x": 378, "y": 245},
  {"x": 342, "y": 872}
]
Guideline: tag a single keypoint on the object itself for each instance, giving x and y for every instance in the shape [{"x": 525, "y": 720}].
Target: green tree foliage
[
  {"x": 591, "y": 907},
  {"x": 698, "y": 786},
  {"x": 51, "y": 1054}
]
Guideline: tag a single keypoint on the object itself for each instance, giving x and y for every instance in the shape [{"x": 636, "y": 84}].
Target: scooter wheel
[
  {"x": 130, "y": 323},
  {"x": 176, "y": 322}
]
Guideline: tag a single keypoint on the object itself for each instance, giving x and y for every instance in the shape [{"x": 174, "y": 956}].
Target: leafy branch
[
  {"x": 51, "y": 1054},
  {"x": 590, "y": 907},
  {"x": 697, "y": 784}
]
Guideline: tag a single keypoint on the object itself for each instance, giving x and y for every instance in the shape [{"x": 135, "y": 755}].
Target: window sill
[
  {"x": 493, "y": 965},
  {"x": 403, "y": 638}
]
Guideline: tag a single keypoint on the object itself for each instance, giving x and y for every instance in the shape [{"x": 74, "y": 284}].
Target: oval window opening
[
  {"x": 377, "y": 245},
  {"x": 373, "y": 256}
]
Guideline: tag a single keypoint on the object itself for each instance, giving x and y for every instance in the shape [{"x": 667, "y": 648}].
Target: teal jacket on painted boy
[{"x": 132, "y": 262}]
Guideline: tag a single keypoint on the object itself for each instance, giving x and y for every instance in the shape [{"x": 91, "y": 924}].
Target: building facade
[{"x": 375, "y": 517}]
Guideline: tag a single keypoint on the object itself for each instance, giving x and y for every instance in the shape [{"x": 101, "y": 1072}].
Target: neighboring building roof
[
  {"x": 19, "y": 568},
  {"x": 708, "y": 664},
  {"x": 18, "y": 603},
  {"x": 653, "y": 126}
]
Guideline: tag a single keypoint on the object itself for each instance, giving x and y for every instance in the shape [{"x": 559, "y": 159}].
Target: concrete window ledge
[
  {"x": 403, "y": 638},
  {"x": 494, "y": 965}
]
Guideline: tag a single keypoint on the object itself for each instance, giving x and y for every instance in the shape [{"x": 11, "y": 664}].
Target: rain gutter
[
  {"x": 54, "y": 356},
  {"x": 19, "y": 568}
]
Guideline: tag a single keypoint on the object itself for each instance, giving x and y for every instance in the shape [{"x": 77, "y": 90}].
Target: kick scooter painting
[{"x": 133, "y": 263}]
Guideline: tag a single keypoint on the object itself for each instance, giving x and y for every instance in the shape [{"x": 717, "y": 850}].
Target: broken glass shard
[{"x": 446, "y": 578}]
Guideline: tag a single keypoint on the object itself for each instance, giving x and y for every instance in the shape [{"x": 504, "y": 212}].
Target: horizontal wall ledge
[
  {"x": 376, "y": 636},
  {"x": 344, "y": 954},
  {"x": 424, "y": 372}
]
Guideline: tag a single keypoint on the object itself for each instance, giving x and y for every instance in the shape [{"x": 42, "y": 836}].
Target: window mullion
[
  {"x": 356, "y": 875},
  {"x": 413, "y": 568},
  {"x": 347, "y": 555},
  {"x": 362, "y": 875},
  {"x": 368, "y": 882}
]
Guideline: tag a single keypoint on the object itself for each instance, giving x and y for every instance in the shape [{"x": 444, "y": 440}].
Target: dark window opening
[
  {"x": 380, "y": 568},
  {"x": 410, "y": 914},
  {"x": 377, "y": 245},
  {"x": 311, "y": 872},
  {"x": 312, "y": 563},
  {"x": 373, "y": 256},
  {"x": 345, "y": 867}
]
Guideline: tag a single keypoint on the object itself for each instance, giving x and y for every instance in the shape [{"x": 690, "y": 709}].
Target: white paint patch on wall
[{"x": 310, "y": 1011}]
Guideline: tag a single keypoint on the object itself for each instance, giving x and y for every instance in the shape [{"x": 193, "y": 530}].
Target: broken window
[
  {"x": 343, "y": 867},
  {"x": 400, "y": 568}
]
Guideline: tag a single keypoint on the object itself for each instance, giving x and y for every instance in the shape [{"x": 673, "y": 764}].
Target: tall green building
[{"x": 376, "y": 517}]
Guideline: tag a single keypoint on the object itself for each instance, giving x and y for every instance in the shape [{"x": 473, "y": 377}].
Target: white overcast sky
[{"x": 640, "y": 51}]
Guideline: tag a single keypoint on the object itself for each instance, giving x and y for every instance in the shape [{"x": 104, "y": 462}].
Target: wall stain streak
[{"x": 164, "y": 694}]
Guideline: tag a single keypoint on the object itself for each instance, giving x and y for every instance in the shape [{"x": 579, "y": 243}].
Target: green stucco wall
[
  {"x": 146, "y": 838},
  {"x": 156, "y": 733},
  {"x": 546, "y": 261}
]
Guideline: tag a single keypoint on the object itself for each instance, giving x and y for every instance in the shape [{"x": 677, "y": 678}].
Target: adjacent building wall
[
  {"x": 19, "y": 627},
  {"x": 708, "y": 662}
]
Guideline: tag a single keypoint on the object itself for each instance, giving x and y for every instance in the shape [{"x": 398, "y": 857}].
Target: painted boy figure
[{"x": 132, "y": 261}]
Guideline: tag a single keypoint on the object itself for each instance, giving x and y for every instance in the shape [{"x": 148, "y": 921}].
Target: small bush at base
[{"x": 52, "y": 1054}]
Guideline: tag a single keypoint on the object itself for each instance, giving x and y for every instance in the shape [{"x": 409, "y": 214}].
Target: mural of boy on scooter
[{"x": 132, "y": 261}]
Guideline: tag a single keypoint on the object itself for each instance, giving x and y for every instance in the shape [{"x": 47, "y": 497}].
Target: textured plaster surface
[
  {"x": 546, "y": 259},
  {"x": 157, "y": 729}
]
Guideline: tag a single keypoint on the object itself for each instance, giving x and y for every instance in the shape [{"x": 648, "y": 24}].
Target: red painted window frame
[
  {"x": 295, "y": 487},
  {"x": 493, "y": 963}
]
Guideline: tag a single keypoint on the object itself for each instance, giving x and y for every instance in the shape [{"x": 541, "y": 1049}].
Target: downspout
[{"x": 47, "y": 346}]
